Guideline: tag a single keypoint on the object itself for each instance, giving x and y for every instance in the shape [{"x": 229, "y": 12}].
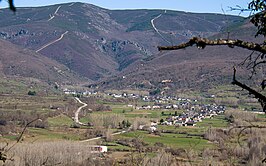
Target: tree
[
  {"x": 31, "y": 93},
  {"x": 11, "y": 5},
  {"x": 258, "y": 9},
  {"x": 259, "y": 19}
]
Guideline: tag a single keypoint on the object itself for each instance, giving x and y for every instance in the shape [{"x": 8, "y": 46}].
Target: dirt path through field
[{"x": 76, "y": 118}]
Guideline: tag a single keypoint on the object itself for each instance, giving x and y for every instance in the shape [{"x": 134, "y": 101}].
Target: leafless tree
[{"x": 11, "y": 5}]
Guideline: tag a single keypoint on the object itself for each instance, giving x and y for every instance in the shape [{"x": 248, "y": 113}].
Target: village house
[
  {"x": 146, "y": 107},
  {"x": 156, "y": 107}
]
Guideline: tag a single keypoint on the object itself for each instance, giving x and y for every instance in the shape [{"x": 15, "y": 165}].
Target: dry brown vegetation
[
  {"x": 72, "y": 153},
  {"x": 106, "y": 120},
  {"x": 52, "y": 153},
  {"x": 140, "y": 121},
  {"x": 236, "y": 115},
  {"x": 161, "y": 158},
  {"x": 242, "y": 144}
]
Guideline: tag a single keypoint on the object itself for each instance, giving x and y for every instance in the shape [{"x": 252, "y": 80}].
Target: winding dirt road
[
  {"x": 76, "y": 117},
  {"x": 96, "y": 138},
  {"x": 52, "y": 17},
  {"x": 156, "y": 30},
  {"x": 52, "y": 42}
]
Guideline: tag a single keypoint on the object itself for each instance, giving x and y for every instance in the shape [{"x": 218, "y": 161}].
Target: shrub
[
  {"x": 106, "y": 120},
  {"x": 2, "y": 122},
  {"x": 159, "y": 144},
  {"x": 32, "y": 93},
  {"x": 75, "y": 125},
  {"x": 233, "y": 115}
]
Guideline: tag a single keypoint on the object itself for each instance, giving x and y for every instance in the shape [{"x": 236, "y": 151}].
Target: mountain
[
  {"x": 100, "y": 44},
  {"x": 192, "y": 68},
  {"x": 21, "y": 62}
]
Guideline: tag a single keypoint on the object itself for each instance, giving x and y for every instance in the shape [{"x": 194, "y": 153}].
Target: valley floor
[{"x": 116, "y": 123}]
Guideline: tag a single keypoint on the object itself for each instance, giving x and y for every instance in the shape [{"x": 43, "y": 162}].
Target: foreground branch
[
  {"x": 261, "y": 98},
  {"x": 21, "y": 134},
  {"x": 243, "y": 128},
  {"x": 203, "y": 42}
]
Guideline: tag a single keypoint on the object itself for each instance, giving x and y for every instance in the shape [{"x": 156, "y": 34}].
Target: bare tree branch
[
  {"x": 258, "y": 63},
  {"x": 21, "y": 134},
  {"x": 203, "y": 42},
  {"x": 11, "y": 5},
  {"x": 243, "y": 128},
  {"x": 261, "y": 98},
  {"x": 247, "y": 58}
]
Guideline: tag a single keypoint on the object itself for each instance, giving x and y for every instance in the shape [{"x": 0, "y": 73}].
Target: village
[{"x": 193, "y": 110}]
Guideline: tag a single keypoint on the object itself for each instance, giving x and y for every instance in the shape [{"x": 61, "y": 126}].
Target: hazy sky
[{"x": 213, "y": 6}]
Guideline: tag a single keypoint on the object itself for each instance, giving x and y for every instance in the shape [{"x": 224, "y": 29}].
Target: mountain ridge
[{"x": 98, "y": 43}]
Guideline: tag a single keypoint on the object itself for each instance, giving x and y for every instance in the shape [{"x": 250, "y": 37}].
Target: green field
[
  {"x": 180, "y": 137},
  {"x": 261, "y": 115},
  {"x": 217, "y": 121},
  {"x": 169, "y": 140},
  {"x": 46, "y": 134},
  {"x": 129, "y": 112},
  {"x": 61, "y": 120}
]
